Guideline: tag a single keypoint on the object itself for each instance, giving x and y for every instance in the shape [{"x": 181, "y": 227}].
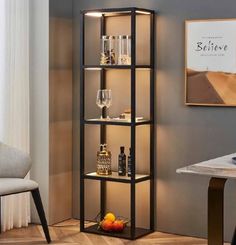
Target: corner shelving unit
[{"x": 132, "y": 231}]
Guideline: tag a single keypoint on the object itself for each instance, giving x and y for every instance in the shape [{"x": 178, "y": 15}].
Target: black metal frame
[{"x": 132, "y": 232}]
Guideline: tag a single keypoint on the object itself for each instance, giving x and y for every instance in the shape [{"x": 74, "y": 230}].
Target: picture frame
[{"x": 210, "y": 62}]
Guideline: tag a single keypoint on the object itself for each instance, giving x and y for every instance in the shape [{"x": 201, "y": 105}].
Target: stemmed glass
[
  {"x": 104, "y": 99},
  {"x": 108, "y": 99},
  {"x": 100, "y": 101}
]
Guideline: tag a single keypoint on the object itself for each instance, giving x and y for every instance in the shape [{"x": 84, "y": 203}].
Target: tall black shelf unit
[{"x": 131, "y": 232}]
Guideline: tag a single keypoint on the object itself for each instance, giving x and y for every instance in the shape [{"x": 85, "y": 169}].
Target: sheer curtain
[{"x": 14, "y": 97}]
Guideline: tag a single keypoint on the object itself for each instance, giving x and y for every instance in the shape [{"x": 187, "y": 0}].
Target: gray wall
[
  {"x": 184, "y": 135},
  {"x": 39, "y": 98},
  {"x": 60, "y": 109},
  {"x": 50, "y": 112}
]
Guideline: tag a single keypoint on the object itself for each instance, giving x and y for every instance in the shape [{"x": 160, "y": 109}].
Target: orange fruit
[
  {"x": 107, "y": 225},
  {"x": 118, "y": 225},
  {"x": 110, "y": 216}
]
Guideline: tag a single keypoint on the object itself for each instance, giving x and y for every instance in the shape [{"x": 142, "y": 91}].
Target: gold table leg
[{"x": 216, "y": 211}]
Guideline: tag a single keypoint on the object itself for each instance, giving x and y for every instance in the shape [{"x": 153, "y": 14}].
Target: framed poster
[{"x": 210, "y": 62}]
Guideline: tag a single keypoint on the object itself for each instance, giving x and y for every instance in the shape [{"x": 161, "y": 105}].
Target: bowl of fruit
[{"x": 111, "y": 223}]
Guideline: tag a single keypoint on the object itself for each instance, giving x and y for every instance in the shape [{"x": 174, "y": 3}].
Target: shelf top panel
[
  {"x": 116, "y": 11},
  {"x": 116, "y": 178},
  {"x": 120, "y": 122},
  {"x": 100, "y": 67}
]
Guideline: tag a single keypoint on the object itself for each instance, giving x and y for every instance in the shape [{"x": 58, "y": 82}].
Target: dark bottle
[
  {"x": 129, "y": 163},
  {"x": 122, "y": 162}
]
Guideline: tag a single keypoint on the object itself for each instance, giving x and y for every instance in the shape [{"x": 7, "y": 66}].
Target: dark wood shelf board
[{"x": 126, "y": 234}]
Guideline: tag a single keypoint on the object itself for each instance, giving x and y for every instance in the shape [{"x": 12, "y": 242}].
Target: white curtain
[{"x": 14, "y": 97}]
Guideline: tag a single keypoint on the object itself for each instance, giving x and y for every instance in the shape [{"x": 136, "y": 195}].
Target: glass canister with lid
[
  {"x": 124, "y": 50},
  {"x": 108, "y": 56}
]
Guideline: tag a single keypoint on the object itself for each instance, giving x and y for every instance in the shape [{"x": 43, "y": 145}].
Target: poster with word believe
[{"x": 210, "y": 62}]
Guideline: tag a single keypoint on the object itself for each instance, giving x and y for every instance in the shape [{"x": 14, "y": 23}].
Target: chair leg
[
  {"x": 39, "y": 206},
  {"x": 0, "y": 214},
  {"x": 234, "y": 238}
]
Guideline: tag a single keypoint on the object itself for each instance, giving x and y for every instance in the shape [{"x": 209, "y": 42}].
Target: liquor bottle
[
  {"x": 104, "y": 161},
  {"x": 122, "y": 162},
  {"x": 129, "y": 163}
]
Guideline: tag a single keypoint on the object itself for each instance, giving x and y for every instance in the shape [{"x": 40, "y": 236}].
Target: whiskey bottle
[
  {"x": 122, "y": 162},
  {"x": 104, "y": 161}
]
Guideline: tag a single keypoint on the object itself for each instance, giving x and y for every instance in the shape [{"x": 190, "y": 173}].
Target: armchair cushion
[
  {"x": 15, "y": 185},
  {"x": 13, "y": 162}
]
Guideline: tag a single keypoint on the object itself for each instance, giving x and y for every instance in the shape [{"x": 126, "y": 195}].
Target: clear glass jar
[
  {"x": 108, "y": 56},
  {"x": 124, "y": 50}
]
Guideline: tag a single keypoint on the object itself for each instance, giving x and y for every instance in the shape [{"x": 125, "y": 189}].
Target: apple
[
  {"x": 118, "y": 225},
  {"x": 106, "y": 225}
]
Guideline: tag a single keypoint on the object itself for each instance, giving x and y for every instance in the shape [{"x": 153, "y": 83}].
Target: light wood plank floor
[{"x": 68, "y": 233}]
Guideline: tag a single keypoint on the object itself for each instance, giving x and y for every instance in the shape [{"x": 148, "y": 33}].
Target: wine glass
[
  {"x": 108, "y": 99},
  {"x": 100, "y": 101}
]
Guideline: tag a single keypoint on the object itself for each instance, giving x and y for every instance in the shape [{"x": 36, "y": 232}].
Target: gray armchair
[{"x": 14, "y": 166}]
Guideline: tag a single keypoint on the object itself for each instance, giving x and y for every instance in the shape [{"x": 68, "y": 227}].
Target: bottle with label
[
  {"x": 104, "y": 161},
  {"x": 129, "y": 163},
  {"x": 122, "y": 162}
]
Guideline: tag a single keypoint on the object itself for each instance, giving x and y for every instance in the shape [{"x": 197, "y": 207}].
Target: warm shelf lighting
[
  {"x": 94, "y": 14},
  {"x": 143, "y": 69},
  {"x": 142, "y": 12},
  {"x": 93, "y": 69}
]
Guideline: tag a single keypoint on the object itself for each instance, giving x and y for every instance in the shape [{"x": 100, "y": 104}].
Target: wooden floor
[{"x": 68, "y": 233}]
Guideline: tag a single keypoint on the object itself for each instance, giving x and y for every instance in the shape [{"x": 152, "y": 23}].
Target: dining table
[{"x": 219, "y": 170}]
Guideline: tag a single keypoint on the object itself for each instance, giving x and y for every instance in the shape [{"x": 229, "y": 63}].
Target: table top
[{"x": 221, "y": 167}]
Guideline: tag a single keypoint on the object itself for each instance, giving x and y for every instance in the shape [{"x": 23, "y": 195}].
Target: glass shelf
[
  {"x": 120, "y": 122},
  {"x": 116, "y": 12},
  {"x": 116, "y": 178},
  {"x": 100, "y": 67}
]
